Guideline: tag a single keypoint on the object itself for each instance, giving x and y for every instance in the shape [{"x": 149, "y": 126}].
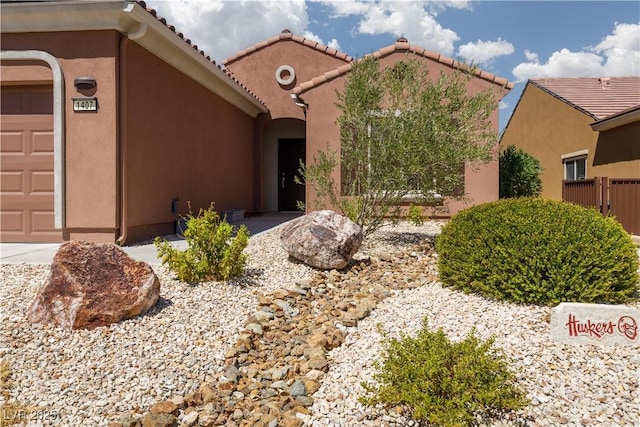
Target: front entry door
[{"x": 290, "y": 153}]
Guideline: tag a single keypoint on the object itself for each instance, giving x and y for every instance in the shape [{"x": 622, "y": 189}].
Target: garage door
[{"x": 26, "y": 180}]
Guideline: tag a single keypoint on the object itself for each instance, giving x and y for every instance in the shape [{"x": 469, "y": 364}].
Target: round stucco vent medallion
[{"x": 285, "y": 75}]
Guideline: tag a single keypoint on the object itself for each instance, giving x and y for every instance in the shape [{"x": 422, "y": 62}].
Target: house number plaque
[{"x": 89, "y": 104}]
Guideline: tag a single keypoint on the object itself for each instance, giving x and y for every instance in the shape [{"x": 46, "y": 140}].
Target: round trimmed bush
[{"x": 531, "y": 250}]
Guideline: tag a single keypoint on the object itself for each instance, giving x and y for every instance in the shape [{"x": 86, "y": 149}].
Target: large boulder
[
  {"x": 322, "y": 239},
  {"x": 91, "y": 285}
]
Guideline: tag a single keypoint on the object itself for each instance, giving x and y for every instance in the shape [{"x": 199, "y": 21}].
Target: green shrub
[
  {"x": 415, "y": 214},
  {"x": 442, "y": 383},
  {"x": 519, "y": 174},
  {"x": 537, "y": 251},
  {"x": 211, "y": 254}
]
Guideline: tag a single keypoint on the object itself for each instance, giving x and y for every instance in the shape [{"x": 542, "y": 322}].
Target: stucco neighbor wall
[
  {"x": 617, "y": 152},
  {"x": 548, "y": 128},
  {"x": 182, "y": 141},
  {"x": 481, "y": 185},
  {"x": 90, "y": 138}
]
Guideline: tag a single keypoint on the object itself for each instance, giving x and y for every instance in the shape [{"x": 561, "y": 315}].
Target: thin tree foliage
[{"x": 404, "y": 136}]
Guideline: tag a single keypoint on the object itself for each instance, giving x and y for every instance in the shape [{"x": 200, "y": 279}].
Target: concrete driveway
[{"x": 42, "y": 253}]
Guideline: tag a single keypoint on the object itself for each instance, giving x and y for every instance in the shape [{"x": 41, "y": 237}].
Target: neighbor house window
[{"x": 575, "y": 168}]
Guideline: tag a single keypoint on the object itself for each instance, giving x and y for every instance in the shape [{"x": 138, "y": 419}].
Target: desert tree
[{"x": 403, "y": 136}]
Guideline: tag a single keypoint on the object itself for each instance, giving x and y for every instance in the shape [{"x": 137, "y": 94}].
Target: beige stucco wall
[
  {"x": 481, "y": 185},
  {"x": 90, "y": 138},
  {"x": 548, "y": 128},
  {"x": 178, "y": 139},
  {"x": 617, "y": 152},
  {"x": 182, "y": 141},
  {"x": 257, "y": 72}
]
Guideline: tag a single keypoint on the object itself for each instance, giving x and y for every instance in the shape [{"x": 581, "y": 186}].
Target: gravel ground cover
[{"x": 93, "y": 377}]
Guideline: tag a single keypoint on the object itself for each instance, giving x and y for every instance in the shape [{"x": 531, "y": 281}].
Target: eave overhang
[
  {"x": 131, "y": 19},
  {"x": 622, "y": 118}
]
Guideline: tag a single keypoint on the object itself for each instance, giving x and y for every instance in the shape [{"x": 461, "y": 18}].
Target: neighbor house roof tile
[
  {"x": 400, "y": 46},
  {"x": 596, "y": 97}
]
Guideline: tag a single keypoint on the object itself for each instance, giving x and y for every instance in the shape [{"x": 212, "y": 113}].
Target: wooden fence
[{"x": 619, "y": 197}]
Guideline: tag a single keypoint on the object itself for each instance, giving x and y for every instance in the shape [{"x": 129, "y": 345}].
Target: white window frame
[{"x": 574, "y": 158}]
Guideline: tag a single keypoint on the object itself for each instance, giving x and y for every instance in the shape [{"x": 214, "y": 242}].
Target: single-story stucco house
[
  {"x": 112, "y": 120},
  {"x": 578, "y": 128}
]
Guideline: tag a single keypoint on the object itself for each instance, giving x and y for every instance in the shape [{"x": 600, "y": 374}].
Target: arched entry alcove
[{"x": 284, "y": 145}]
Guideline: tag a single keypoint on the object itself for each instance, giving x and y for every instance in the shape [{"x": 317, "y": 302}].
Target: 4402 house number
[{"x": 85, "y": 104}]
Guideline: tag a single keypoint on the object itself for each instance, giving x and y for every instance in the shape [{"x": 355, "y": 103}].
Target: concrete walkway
[{"x": 42, "y": 253}]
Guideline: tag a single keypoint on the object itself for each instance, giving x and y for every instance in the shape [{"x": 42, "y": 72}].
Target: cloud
[
  {"x": 311, "y": 36},
  {"x": 618, "y": 54},
  {"x": 503, "y": 105},
  {"x": 531, "y": 56},
  {"x": 561, "y": 64},
  {"x": 333, "y": 44},
  {"x": 622, "y": 50},
  {"x": 217, "y": 26},
  {"x": 414, "y": 20},
  {"x": 483, "y": 52},
  {"x": 342, "y": 8}
]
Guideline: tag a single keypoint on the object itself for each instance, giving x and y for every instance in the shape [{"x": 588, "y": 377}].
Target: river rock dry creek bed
[{"x": 287, "y": 346}]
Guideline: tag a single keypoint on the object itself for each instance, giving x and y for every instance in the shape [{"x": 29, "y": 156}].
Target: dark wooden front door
[{"x": 290, "y": 153}]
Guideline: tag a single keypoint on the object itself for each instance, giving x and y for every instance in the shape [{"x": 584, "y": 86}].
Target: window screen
[{"x": 575, "y": 168}]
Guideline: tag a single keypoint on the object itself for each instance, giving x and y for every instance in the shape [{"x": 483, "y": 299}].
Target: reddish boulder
[{"x": 91, "y": 285}]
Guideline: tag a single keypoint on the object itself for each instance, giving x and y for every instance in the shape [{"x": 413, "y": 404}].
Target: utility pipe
[{"x": 122, "y": 126}]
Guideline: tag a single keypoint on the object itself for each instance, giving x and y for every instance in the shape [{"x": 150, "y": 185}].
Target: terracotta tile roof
[
  {"x": 287, "y": 35},
  {"x": 621, "y": 118},
  {"x": 194, "y": 46},
  {"x": 402, "y": 45},
  {"x": 596, "y": 97}
]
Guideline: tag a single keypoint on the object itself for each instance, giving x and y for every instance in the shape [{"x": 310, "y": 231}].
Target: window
[
  {"x": 375, "y": 165},
  {"x": 575, "y": 168}
]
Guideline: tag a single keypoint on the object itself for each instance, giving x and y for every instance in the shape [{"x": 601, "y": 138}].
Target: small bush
[
  {"x": 538, "y": 251},
  {"x": 415, "y": 214},
  {"x": 442, "y": 383},
  {"x": 211, "y": 254},
  {"x": 519, "y": 174}
]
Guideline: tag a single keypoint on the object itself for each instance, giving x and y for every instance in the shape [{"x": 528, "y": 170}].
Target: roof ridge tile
[
  {"x": 403, "y": 45},
  {"x": 286, "y": 35}
]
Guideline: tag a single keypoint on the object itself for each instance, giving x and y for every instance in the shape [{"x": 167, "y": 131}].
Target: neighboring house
[
  {"x": 112, "y": 121},
  {"x": 578, "y": 128}
]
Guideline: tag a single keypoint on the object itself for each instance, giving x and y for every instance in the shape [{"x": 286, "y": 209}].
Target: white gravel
[
  {"x": 567, "y": 385},
  {"x": 92, "y": 377}
]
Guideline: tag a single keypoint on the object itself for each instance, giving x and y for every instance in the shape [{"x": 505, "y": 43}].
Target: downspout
[{"x": 122, "y": 127}]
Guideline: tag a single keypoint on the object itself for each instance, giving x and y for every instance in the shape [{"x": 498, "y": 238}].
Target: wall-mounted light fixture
[{"x": 84, "y": 83}]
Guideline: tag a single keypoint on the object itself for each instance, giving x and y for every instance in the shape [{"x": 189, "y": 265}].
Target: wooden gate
[{"x": 619, "y": 197}]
